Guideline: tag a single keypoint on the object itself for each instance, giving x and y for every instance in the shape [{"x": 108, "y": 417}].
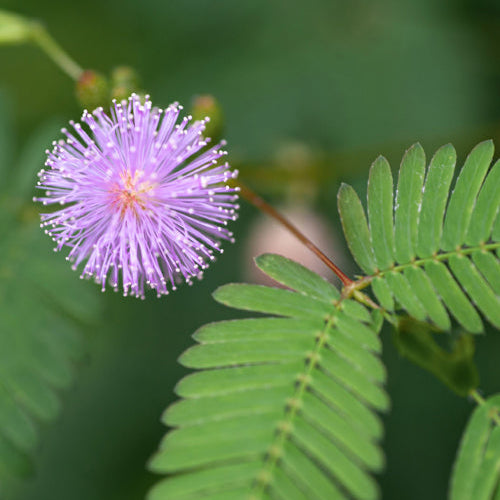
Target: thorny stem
[
  {"x": 495, "y": 415},
  {"x": 262, "y": 205},
  {"x": 42, "y": 38}
]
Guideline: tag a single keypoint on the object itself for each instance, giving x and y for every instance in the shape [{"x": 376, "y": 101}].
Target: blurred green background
[{"x": 344, "y": 80}]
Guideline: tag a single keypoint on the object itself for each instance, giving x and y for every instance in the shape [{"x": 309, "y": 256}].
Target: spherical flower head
[{"x": 142, "y": 200}]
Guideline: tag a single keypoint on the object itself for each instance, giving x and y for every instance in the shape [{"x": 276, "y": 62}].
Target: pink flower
[{"x": 144, "y": 201}]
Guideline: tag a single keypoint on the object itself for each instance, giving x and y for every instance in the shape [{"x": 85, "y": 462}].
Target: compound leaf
[
  {"x": 280, "y": 407},
  {"x": 44, "y": 309},
  {"x": 446, "y": 253},
  {"x": 476, "y": 472}
]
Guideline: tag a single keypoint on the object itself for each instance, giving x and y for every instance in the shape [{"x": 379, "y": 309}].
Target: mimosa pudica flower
[{"x": 142, "y": 200}]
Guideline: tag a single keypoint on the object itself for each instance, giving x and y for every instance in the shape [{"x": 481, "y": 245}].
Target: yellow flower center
[{"x": 130, "y": 193}]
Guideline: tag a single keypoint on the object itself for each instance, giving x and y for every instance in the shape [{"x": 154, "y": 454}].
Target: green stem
[
  {"x": 42, "y": 38},
  {"x": 489, "y": 247},
  {"x": 495, "y": 416}
]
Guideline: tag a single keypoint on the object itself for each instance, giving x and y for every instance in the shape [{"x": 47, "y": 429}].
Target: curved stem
[
  {"x": 262, "y": 205},
  {"x": 42, "y": 38}
]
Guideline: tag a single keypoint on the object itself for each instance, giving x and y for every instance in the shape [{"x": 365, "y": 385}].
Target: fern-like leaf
[
  {"x": 425, "y": 250},
  {"x": 43, "y": 309},
  {"x": 476, "y": 473},
  {"x": 281, "y": 407}
]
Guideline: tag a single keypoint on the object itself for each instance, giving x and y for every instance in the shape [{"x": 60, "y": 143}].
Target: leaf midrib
[
  {"x": 282, "y": 435},
  {"x": 440, "y": 257}
]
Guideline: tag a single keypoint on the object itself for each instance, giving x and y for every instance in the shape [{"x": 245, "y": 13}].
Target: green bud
[
  {"x": 124, "y": 82},
  {"x": 455, "y": 368},
  {"x": 92, "y": 90},
  {"x": 203, "y": 106}
]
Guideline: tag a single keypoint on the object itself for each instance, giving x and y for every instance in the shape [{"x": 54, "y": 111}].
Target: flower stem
[
  {"x": 262, "y": 205},
  {"x": 42, "y": 38}
]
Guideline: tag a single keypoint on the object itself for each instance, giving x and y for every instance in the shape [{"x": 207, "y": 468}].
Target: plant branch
[
  {"x": 262, "y": 205},
  {"x": 43, "y": 39}
]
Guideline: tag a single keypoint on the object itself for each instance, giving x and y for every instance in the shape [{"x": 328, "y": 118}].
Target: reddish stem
[{"x": 262, "y": 205}]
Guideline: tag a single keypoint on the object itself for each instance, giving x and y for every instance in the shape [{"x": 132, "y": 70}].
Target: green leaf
[
  {"x": 237, "y": 353},
  {"x": 354, "y": 327},
  {"x": 212, "y": 382},
  {"x": 274, "y": 329},
  {"x": 270, "y": 300},
  {"x": 199, "y": 483},
  {"x": 14, "y": 28},
  {"x": 486, "y": 208},
  {"x": 383, "y": 293},
  {"x": 297, "y": 277},
  {"x": 37, "y": 350},
  {"x": 308, "y": 474},
  {"x": 353, "y": 441},
  {"x": 44, "y": 309},
  {"x": 489, "y": 267},
  {"x": 16, "y": 425},
  {"x": 408, "y": 202},
  {"x": 477, "y": 287},
  {"x": 437, "y": 185},
  {"x": 240, "y": 438},
  {"x": 366, "y": 362},
  {"x": 489, "y": 474},
  {"x": 339, "y": 396},
  {"x": 495, "y": 236},
  {"x": 476, "y": 471},
  {"x": 14, "y": 462},
  {"x": 355, "y": 228},
  {"x": 446, "y": 257},
  {"x": 356, "y": 311},
  {"x": 461, "y": 205},
  {"x": 380, "y": 212},
  {"x": 453, "y": 296},
  {"x": 358, "y": 483},
  {"x": 356, "y": 381},
  {"x": 201, "y": 410},
  {"x": 282, "y": 407},
  {"x": 426, "y": 294},
  {"x": 405, "y": 295},
  {"x": 287, "y": 486}
]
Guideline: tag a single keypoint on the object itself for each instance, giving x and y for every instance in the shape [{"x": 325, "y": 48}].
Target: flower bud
[
  {"x": 92, "y": 90},
  {"x": 206, "y": 105},
  {"x": 124, "y": 82},
  {"x": 14, "y": 28}
]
